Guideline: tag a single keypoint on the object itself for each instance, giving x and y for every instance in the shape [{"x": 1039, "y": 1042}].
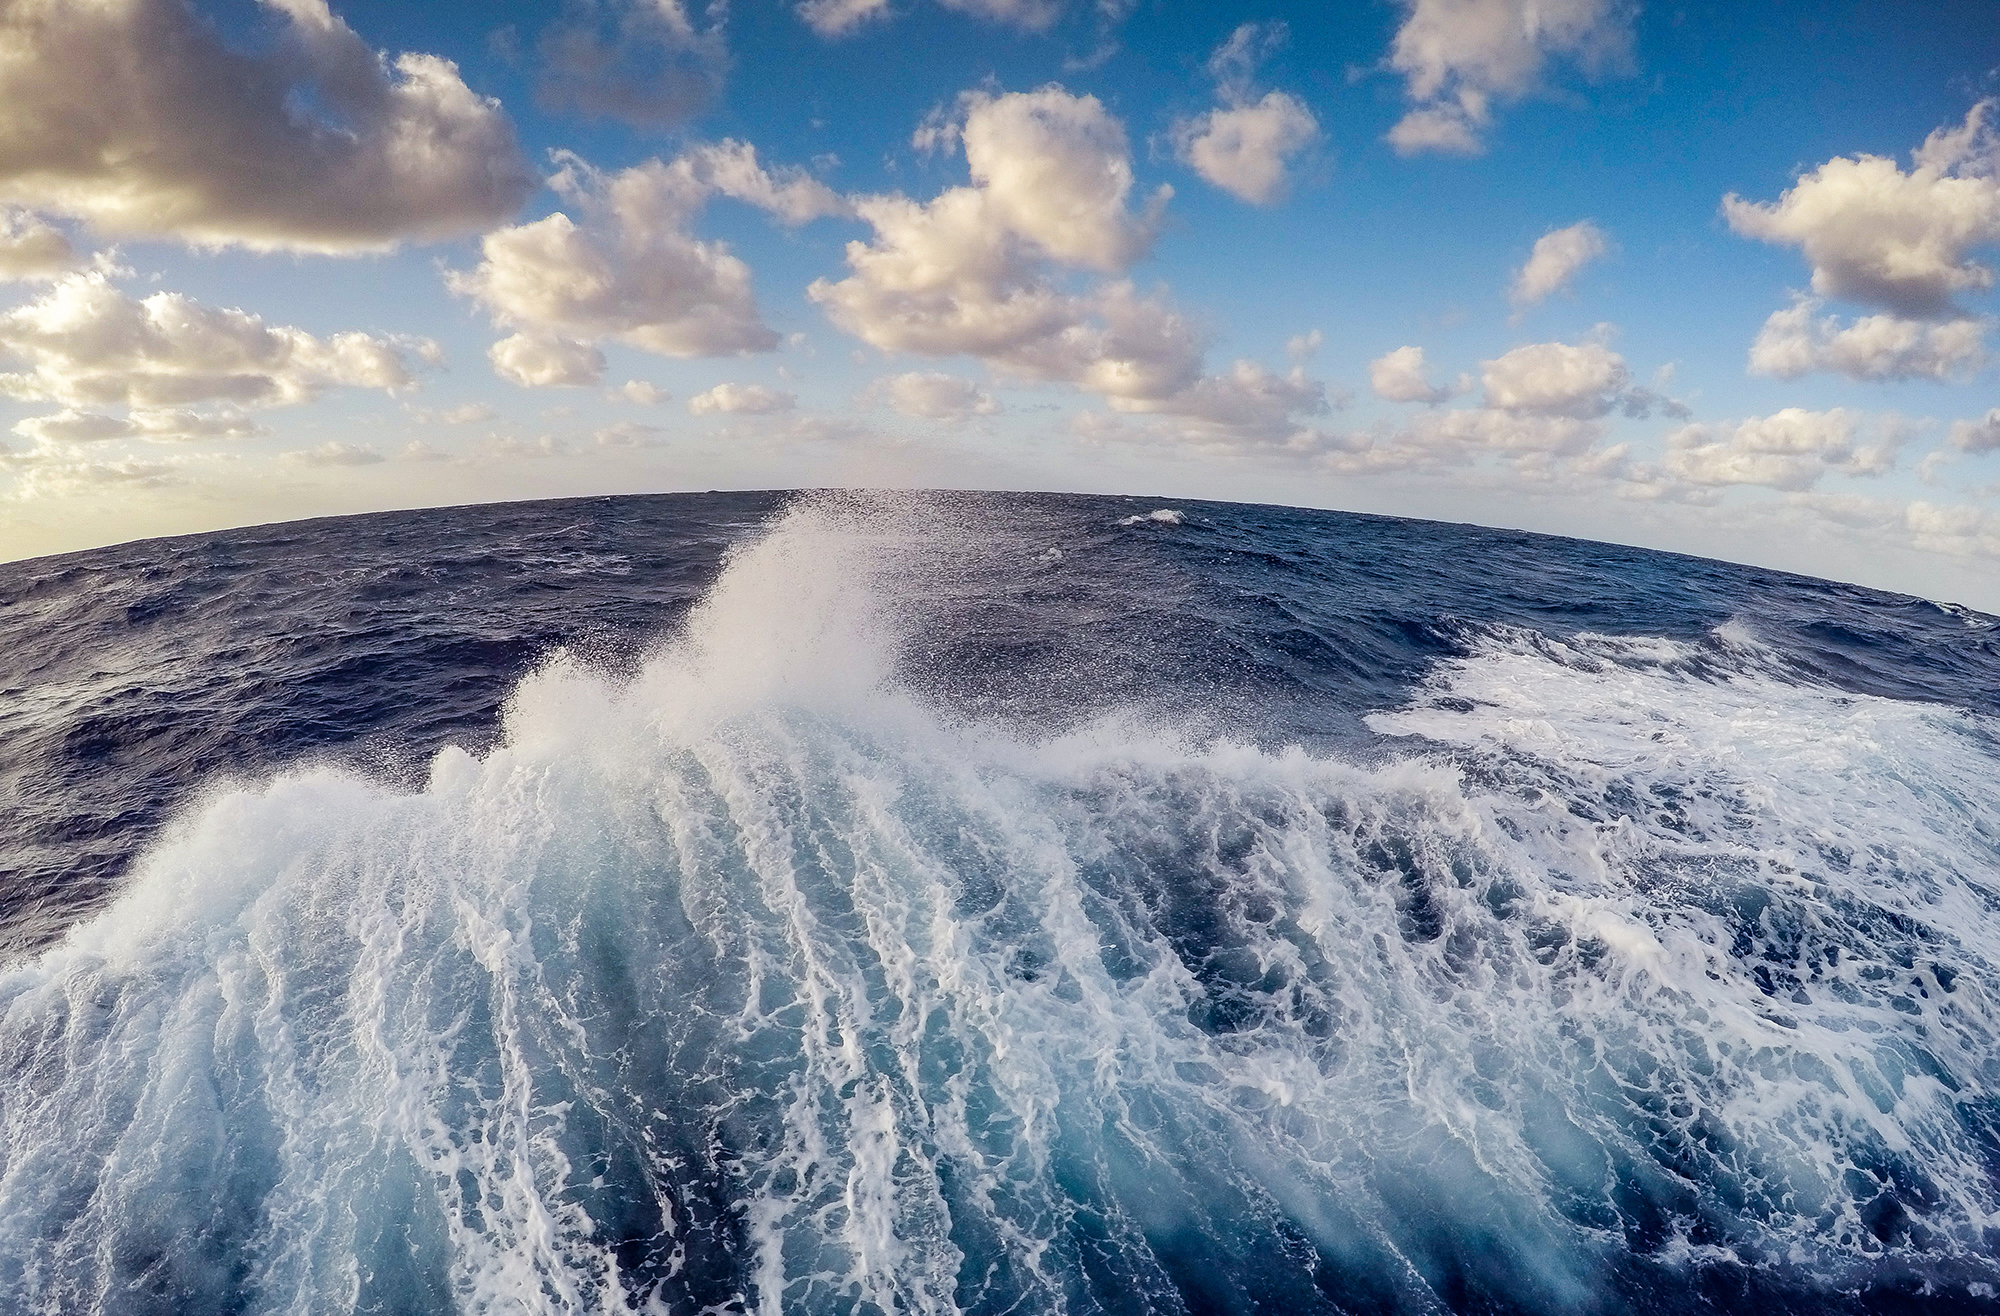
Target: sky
[{"x": 1715, "y": 278}]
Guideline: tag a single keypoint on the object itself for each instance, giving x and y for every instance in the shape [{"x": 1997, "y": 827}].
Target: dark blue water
[{"x": 988, "y": 903}]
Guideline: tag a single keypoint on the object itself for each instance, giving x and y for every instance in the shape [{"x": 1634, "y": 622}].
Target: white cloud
[
  {"x": 1398, "y": 376},
  {"x": 1557, "y": 379},
  {"x": 644, "y": 62},
  {"x": 1797, "y": 341},
  {"x": 1982, "y": 435},
  {"x": 1460, "y": 56},
  {"x": 1133, "y": 350},
  {"x": 644, "y": 392},
  {"x": 1546, "y": 448},
  {"x": 1243, "y": 146},
  {"x": 741, "y": 399},
  {"x": 509, "y": 446},
  {"x": 972, "y": 272},
  {"x": 1465, "y": 432},
  {"x": 546, "y": 361},
  {"x": 154, "y": 424},
  {"x": 135, "y": 116},
  {"x": 335, "y": 453},
  {"x": 1247, "y": 405},
  {"x": 1556, "y": 259},
  {"x": 627, "y": 434},
  {"x": 777, "y": 433},
  {"x": 1027, "y": 15},
  {"x": 31, "y": 248},
  {"x": 53, "y": 473},
  {"x": 1053, "y": 170},
  {"x": 1956, "y": 530},
  {"x": 730, "y": 168},
  {"x": 931, "y": 395},
  {"x": 470, "y": 413},
  {"x": 1446, "y": 130},
  {"x": 836, "y": 18},
  {"x": 1233, "y": 64},
  {"x": 1789, "y": 449},
  {"x": 1243, "y": 149},
  {"x": 466, "y": 413},
  {"x": 1900, "y": 242},
  {"x": 1050, "y": 178},
  {"x": 1959, "y": 531},
  {"x": 631, "y": 271},
  {"x": 73, "y": 426},
  {"x": 86, "y": 343},
  {"x": 964, "y": 273}
]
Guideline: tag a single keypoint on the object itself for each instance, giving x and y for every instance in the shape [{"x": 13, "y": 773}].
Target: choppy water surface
[{"x": 988, "y": 904}]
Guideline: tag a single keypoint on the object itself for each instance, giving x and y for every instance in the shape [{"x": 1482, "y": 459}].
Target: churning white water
[{"x": 752, "y": 983}]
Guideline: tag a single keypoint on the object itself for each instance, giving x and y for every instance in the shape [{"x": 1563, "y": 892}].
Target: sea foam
[{"x": 750, "y": 981}]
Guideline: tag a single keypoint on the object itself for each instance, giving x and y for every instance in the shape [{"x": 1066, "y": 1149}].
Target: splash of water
[{"x": 751, "y": 982}]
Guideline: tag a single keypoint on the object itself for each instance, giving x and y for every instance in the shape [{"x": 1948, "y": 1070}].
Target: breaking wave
[{"x": 1637, "y": 974}]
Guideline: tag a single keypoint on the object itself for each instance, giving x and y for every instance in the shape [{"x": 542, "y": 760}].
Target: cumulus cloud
[
  {"x": 1899, "y": 242},
  {"x": 31, "y": 249},
  {"x": 85, "y": 343},
  {"x": 1461, "y": 56},
  {"x": 1242, "y": 149},
  {"x": 644, "y": 392},
  {"x": 1556, "y": 259},
  {"x": 973, "y": 271},
  {"x": 135, "y": 116},
  {"x": 965, "y": 272},
  {"x": 630, "y": 270},
  {"x": 647, "y": 63},
  {"x": 1581, "y": 381},
  {"x": 1959, "y": 531},
  {"x": 1543, "y": 413},
  {"x": 932, "y": 395},
  {"x": 1789, "y": 449},
  {"x": 1398, "y": 376},
  {"x": 741, "y": 399},
  {"x": 1981, "y": 435},
  {"x": 546, "y": 360},
  {"x": 1243, "y": 146},
  {"x": 1798, "y": 341}
]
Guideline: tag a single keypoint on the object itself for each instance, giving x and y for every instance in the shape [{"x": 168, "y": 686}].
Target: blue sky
[{"x": 267, "y": 266}]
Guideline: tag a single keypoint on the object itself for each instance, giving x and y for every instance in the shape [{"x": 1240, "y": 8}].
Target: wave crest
[{"x": 751, "y": 982}]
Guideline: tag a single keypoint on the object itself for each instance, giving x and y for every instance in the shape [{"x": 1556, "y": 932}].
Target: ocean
[{"x": 871, "y": 903}]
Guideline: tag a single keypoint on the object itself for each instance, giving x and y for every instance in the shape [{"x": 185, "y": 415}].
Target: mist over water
[{"x": 1013, "y": 905}]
